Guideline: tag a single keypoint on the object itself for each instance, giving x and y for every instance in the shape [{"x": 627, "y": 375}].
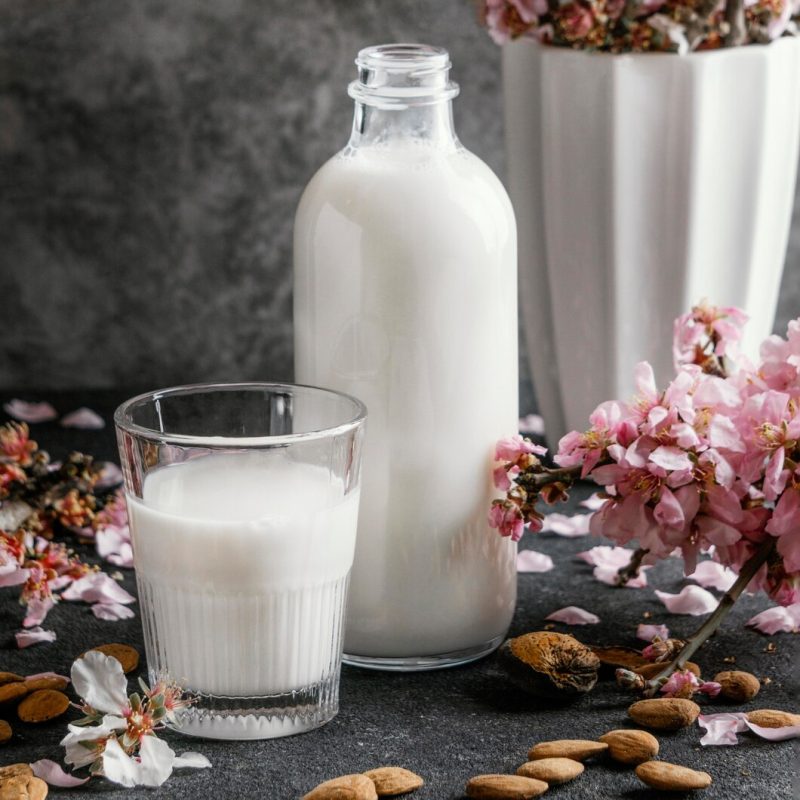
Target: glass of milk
[{"x": 243, "y": 505}]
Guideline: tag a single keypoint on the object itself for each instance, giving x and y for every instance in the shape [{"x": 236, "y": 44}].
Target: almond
[
  {"x": 5, "y": 731},
  {"x": 651, "y": 670},
  {"x": 345, "y": 787},
  {"x": 671, "y": 777},
  {"x": 769, "y": 718},
  {"x": 737, "y": 686},
  {"x": 12, "y": 691},
  {"x": 504, "y": 787},
  {"x": 664, "y": 713},
  {"x": 124, "y": 653},
  {"x": 391, "y": 781},
  {"x": 551, "y": 770},
  {"x": 47, "y": 683},
  {"x": 14, "y": 770},
  {"x": 43, "y": 705},
  {"x": 10, "y": 677},
  {"x": 630, "y": 746},
  {"x": 23, "y": 787},
  {"x": 576, "y": 749}
]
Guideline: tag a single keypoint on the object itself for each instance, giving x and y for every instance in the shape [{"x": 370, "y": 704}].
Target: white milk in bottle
[{"x": 405, "y": 296}]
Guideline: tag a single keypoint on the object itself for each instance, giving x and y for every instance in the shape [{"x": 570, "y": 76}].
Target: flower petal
[
  {"x": 775, "y": 734},
  {"x": 721, "y": 729},
  {"x": 34, "y": 636},
  {"x": 100, "y": 681},
  {"x": 594, "y": 502},
  {"x": 533, "y": 561},
  {"x": 29, "y": 412},
  {"x": 532, "y": 423},
  {"x": 710, "y": 573},
  {"x": 52, "y": 774},
  {"x": 192, "y": 760},
  {"x": 110, "y": 476},
  {"x": 777, "y": 620},
  {"x": 112, "y": 611},
  {"x": 691, "y": 600},
  {"x": 97, "y": 587},
  {"x": 567, "y": 526},
  {"x": 83, "y": 418},
  {"x": 608, "y": 561},
  {"x": 37, "y": 610},
  {"x": 118, "y": 766},
  {"x": 572, "y": 615},
  {"x": 157, "y": 759},
  {"x": 649, "y": 632}
]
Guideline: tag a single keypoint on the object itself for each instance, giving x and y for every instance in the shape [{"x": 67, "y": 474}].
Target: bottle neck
[{"x": 403, "y": 95}]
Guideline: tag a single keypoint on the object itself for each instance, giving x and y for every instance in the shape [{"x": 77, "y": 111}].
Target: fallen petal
[
  {"x": 608, "y": 561},
  {"x": 34, "y": 636},
  {"x": 777, "y": 620},
  {"x": 594, "y": 502},
  {"x": 52, "y": 774},
  {"x": 37, "y": 611},
  {"x": 112, "y": 611},
  {"x": 192, "y": 760},
  {"x": 710, "y": 573},
  {"x": 775, "y": 734},
  {"x": 563, "y": 525},
  {"x": 83, "y": 418},
  {"x": 532, "y": 423},
  {"x": 721, "y": 729},
  {"x": 649, "y": 632},
  {"x": 100, "y": 681},
  {"x": 533, "y": 561},
  {"x": 572, "y": 615},
  {"x": 110, "y": 476},
  {"x": 97, "y": 587},
  {"x": 29, "y": 412},
  {"x": 690, "y": 600}
]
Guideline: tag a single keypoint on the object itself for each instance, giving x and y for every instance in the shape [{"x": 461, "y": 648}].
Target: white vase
[{"x": 643, "y": 183}]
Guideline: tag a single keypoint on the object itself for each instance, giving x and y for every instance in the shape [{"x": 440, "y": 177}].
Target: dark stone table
[{"x": 446, "y": 725}]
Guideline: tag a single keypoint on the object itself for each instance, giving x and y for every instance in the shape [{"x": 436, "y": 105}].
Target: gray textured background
[{"x": 151, "y": 158}]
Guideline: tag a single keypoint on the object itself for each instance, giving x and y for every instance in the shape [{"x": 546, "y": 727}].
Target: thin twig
[{"x": 631, "y": 569}]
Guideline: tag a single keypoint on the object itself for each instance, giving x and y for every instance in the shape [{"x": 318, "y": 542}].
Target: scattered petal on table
[
  {"x": 779, "y": 619},
  {"x": 532, "y": 423},
  {"x": 35, "y": 635},
  {"x": 572, "y": 615},
  {"x": 594, "y": 502},
  {"x": 29, "y": 412},
  {"x": 97, "y": 587},
  {"x": 608, "y": 561},
  {"x": 775, "y": 734},
  {"x": 690, "y": 600},
  {"x": 110, "y": 476},
  {"x": 52, "y": 774},
  {"x": 563, "y": 525},
  {"x": 13, "y": 575},
  {"x": 190, "y": 759},
  {"x": 111, "y": 611},
  {"x": 721, "y": 729},
  {"x": 37, "y": 610},
  {"x": 113, "y": 543},
  {"x": 710, "y": 573},
  {"x": 649, "y": 632},
  {"x": 83, "y": 418},
  {"x": 533, "y": 561}
]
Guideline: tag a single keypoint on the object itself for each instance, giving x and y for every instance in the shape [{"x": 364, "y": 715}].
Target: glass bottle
[{"x": 405, "y": 296}]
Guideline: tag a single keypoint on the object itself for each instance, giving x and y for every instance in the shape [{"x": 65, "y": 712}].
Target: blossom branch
[{"x": 631, "y": 569}]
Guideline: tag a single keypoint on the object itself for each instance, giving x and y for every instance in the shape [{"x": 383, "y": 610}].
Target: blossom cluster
[
  {"x": 709, "y": 464},
  {"x": 618, "y": 26},
  {"x": 41, "y": 504}
]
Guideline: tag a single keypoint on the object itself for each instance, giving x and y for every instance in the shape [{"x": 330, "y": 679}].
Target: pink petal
[
  {"x": 52, "y": 774},
  {"x": 111, "y": 611},
  {"x": 37, "y": 610},
  {"x": 13, "y": 575},
  {"x": 533, "y": 561},
  {"x": 29, "y": 412},
  {"x": 608, "y": 561},
  {"x": 649, "y": 632},
  {"x": 532, "y": 423},
  {"x": 691, "y": 600},
  {"x": 777, "y": 620},
  {"x": 114, "y": 544},
  {"x": 594, "y": 502},
  {"x": 572, "y": 615},
  {"x": 670, "y": 458},
  {"x": 721, "y": 729},
  {"x": 710, "y": 573},
  {"x": 775, "y": 734},
  {"x": 569, "y": 527},
  {"x": 97, "y": 587},
  {"x": 83, "y": 418},
  {"x": 110, "y": 476},
  {"x": 34, "y": 636}
]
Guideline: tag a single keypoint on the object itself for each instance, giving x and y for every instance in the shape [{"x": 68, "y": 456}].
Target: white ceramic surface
[{"x": 641, "y": 184}]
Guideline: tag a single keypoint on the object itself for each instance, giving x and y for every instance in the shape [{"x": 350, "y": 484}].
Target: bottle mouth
[{"x": 396, "y": 76}]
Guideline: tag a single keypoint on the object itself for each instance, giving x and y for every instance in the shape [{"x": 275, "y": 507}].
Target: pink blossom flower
[
  {"x": 682, "y": 683},
  {"x": 650, "y": 632},
  {"x": 512, "y": 447},
  {"x": 508, "y": 520}
]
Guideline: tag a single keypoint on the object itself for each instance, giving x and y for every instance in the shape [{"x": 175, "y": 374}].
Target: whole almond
[
  {"x": 630, "y": 746},
  {"x": 23, "y": 787},
  {"x": 43, "y": 705},
  {"x": 345, "y": 787},
  {"x": 770, "y": 718},
  {"x": 504, "y": 787},
  {"x": 59, "y": 684},
  {"x": 10, "y": 677},
  {"x": 671, "y": 777},
  {"x": 664, "y": 713},
  {"x": 124, "y": 653},
  {"x": 551, "y": 770},
  {"x": 14, "y": 770},
  {"x": 651, "y": 670},
  {"x": 737, "y": 686},
  {"x": 576, "y": 749},
  {"x": 12, "y": 691},
  {"x": 391, "y": 781},
  {"x": 5, "y": 731}
]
